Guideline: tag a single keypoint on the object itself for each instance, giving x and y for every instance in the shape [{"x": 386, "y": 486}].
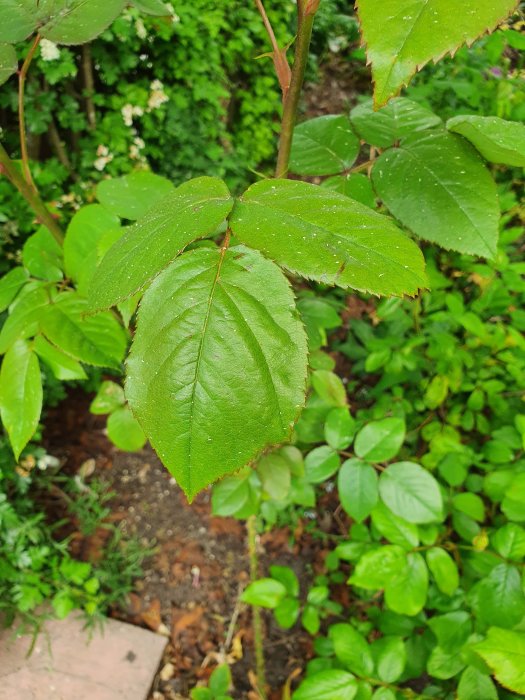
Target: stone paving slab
[{"x": 117, "y": 664}]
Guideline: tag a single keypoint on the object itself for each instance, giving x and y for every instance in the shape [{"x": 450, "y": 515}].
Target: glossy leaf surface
[
  {"x": 20, "y": 394},
  {"x": 411, "y": 492},
  {"x": 194, "y": 210},
  {"x": 327, "y": 237},
  {"x": 504, "y": 652},
  {"x": 323, "y": 146},
  {"x": 96, "y": 340},
  {"x": 132, "y": 196},
  {"x": 78, "y": 21},
  {"x": 357, "y": 486},
  {"x": 399, "y": 118},
  {"x": 437, "y": 185},
  {"x": 85, "y": 231},
  {"x": 218, "y": 366},
  {"x": 8, "y": 62},
  {"x": 498, "y": 140},
  {"x": 401, "y": 36}
]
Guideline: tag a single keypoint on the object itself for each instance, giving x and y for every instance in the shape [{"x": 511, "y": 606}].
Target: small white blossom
[
  {"x": 157, "y": 96},
  {"x": 47, "y": 461},
  {"x": 103, "y": 158},
  {"x": 48, "y": 50},
  {"x": 129, "y": 111},
  {"x": 140, "y": 29}
]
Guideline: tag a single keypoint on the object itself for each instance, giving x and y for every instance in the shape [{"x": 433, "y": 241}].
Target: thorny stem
[
  {"x": 44, "y": 216},
  {"x": 306, "y": 10},
  {"x": 258, "y": 633},
  {"x": 21, "y": 111},
  {"x": 282, "y": 67}
]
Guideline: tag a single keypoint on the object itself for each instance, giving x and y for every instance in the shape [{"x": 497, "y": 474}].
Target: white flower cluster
[
  {"x": 135, "y": 149},
  {"x": 48, "y": 50},
  {"x": 157, "y": 97},
  {"x": 47, "y": 461},
  {"x": 129, "y": 111},
  {"x": 103, "y": 157}
]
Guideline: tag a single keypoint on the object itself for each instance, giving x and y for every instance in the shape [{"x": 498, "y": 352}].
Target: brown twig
[{"x": 89, "y": 85}]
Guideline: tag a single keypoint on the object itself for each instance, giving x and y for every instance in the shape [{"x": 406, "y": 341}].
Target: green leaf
[
  {"x": 230, "y": 495},
  {"x": 406, "y": 594},
  {"x": 63, "y": 604},
  {"x": 444, "y": 665},
  {"x": 386, "y": 126},
  {"x": 436, "y": 392},
  {"x": 380, "y": 440},
  {"x": 152, "y": 7},
  {"x": 76, "y": 21},
  {"x": 355, "y": 185},
  {"x": 323, "y": 146},
  {"x": 24, "y": 317},
  {"x": 287, "y": 612},
  {"x": 403, "y": 35},
  {"x": 96, "y": 340},
  {"x": 264, "y": 593},
  {"x": 42, "y": 256},
  {"x": 326, "y": 236},
  {"x": 377, "y": 568},
  {"x": 327, "y": 685},
  {"x": 474, "y": 685},
  {"x": 17, "y": 20},
  {"x": 411, "y": 492},
  {"x": 339, "y": 428},
  {"x": 124, "y": 431},
  {"x": 217, "y": 368},
  {"x": 498, "y": 140},
  {"x": 110, "y": 397},
  {"x": 8, "y": 62},
  {"x": 452, "y": 630},
  {"x": 393, "y": 528},
  {"x": 513, "y": 504},
  {"x": 437, "y": 185},
  {"x": 444, "y": 570},
  {"x": 352, "y": 649},
  {"x": 20, "y": 395},
  {"x": 498, "y": 599},
  {"x": 470, "y": 504},
  {"x": 357, "y": 486},
  {"x": 10, "y": 284},
  {"x": 62, "y": 366},
  {"x": 133, "y": 195},
  {"x": 194, "y": 210},
  {"x": 509, "y": 541},
  {"x": 390, "y": 658},
  {"x": 504, "y": 651},
  {"x": 320, "y": 464},
  {"x": 220, "y": 680},
  {"x": 310, "y": 619},
  {"x": 201, "y": 694},
  {"x": 287, "y": 577},
  {"x": 86, "y": 229},
  {"x": 275, "y": 476},
  {"x": 329, "y": 387}
]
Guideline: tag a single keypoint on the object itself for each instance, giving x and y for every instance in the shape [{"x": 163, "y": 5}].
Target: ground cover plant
[{"x": 221, "y": 351}]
